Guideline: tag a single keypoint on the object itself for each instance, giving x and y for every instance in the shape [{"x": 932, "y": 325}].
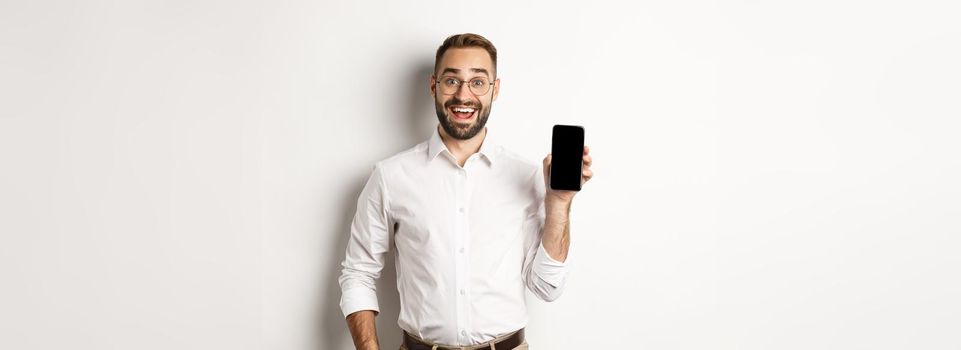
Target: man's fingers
[{"x": 586, "y": 171}]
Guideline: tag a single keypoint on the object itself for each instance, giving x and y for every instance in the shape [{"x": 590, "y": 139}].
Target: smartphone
[{"x": 567, "y": 157}]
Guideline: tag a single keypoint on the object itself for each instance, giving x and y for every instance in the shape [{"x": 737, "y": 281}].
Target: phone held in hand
[{"x": 567, "y": 157}]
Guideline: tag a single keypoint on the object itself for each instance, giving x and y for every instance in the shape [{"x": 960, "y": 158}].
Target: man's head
[{"x": 464, "y": 84}]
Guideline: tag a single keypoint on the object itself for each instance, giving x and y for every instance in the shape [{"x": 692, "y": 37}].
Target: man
[{"x": 472, "y": 223}]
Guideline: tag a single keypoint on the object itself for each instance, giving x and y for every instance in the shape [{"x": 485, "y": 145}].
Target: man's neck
[{"x": 462, "y": 149}]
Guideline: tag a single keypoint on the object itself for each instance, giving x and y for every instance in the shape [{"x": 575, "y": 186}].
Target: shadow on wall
[{"x": 332, "y": 330}]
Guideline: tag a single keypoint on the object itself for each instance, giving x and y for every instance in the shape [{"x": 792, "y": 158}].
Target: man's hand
[
  {"x": 561, "y": 197},
  {"x": 557, "y": 204},
  {"x": 363, "y": 329}
]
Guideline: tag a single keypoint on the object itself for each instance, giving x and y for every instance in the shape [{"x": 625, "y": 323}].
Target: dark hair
[{"x": 466, "y": 40}]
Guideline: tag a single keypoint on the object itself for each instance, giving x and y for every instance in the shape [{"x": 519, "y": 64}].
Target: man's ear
[
  {"x": 432, "y": 83},
  {"x": 497, "y": 88}
]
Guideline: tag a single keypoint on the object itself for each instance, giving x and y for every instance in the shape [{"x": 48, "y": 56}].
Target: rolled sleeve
[
  {"x": 550, "y": 271},
  {"x": 547, "y": 277},
  {"x": 367, "y": 245},
  {"x": 358, "y": 299}
]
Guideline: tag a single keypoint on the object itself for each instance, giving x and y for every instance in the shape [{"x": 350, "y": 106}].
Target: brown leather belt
[{"x": 513, "y": 341}]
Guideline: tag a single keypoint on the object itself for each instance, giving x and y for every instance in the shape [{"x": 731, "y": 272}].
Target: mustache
[{"x": 468, "y": 103}]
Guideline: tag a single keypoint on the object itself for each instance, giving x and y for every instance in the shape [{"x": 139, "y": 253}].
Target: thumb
[{"x": 547, "y": 166}]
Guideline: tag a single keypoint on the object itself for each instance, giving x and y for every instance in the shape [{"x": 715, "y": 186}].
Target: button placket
[
  {"x": 465, "y": 288},
  {"x": 462, "y": 262}
]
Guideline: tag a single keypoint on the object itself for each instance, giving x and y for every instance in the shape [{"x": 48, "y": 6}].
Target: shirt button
[
  {"x": 462, "y": 292},
  {"x": 461, "y": 209},
  {"x": 463, "y": 332},
  {"x": 462, "y": 250}
]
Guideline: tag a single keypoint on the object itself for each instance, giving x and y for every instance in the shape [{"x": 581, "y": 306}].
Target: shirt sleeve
[
  {"x": 544, "y": 276},
  {"x": 548, "y": 276},
  {"x": 367, "y": 245}
]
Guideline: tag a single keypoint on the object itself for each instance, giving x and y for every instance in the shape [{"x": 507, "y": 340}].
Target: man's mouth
[{"x": 462, "y": 113}]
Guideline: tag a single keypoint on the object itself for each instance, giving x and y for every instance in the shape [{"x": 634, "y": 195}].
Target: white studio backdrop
[{"x": 770, "y": 175}]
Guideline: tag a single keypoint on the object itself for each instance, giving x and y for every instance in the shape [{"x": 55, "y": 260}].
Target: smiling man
[{"x": 473, "y": 224}]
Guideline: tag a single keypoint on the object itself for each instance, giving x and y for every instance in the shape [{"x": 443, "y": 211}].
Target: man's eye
[
  {"x": 477, "y": 83},
  {"x": 451, "y": 81}
]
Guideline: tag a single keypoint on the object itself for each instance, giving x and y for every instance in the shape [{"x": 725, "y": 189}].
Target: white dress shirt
[{"x": 467, "y": 240}]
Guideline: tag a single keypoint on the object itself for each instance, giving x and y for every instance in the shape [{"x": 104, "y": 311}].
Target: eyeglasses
[{"x": 478, "y": 86}]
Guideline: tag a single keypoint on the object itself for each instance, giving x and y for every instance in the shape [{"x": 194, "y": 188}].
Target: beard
[{"x": 457, "y": 130}]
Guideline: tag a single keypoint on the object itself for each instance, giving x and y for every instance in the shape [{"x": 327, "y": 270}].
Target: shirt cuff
[
  {"x": 358, "y": 299},
  {"x": 549, "y": 270}
]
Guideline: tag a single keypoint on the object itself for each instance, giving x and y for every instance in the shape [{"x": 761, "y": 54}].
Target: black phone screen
[{"x": 567, "y": 154}]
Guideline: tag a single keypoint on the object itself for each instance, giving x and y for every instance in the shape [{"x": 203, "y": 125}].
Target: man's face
[{"x": 461, "y": 112}]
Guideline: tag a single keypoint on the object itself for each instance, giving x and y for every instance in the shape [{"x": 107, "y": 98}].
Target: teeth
[{"x": 464, "y": 110}]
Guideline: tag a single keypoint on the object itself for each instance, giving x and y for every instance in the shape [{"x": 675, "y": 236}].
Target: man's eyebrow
[
  {"x": 474, "y": 70},
  {"x": 480, "y": 70}
]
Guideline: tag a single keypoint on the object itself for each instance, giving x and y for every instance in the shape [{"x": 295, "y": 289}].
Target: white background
[{"x": 770, "y": 175}]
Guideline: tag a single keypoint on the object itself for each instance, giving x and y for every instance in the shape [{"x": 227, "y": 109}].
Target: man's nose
[{"x": 463, "y": 92}]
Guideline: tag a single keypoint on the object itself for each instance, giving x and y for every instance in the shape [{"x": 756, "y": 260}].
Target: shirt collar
[{"x": 435, "y": 146}]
